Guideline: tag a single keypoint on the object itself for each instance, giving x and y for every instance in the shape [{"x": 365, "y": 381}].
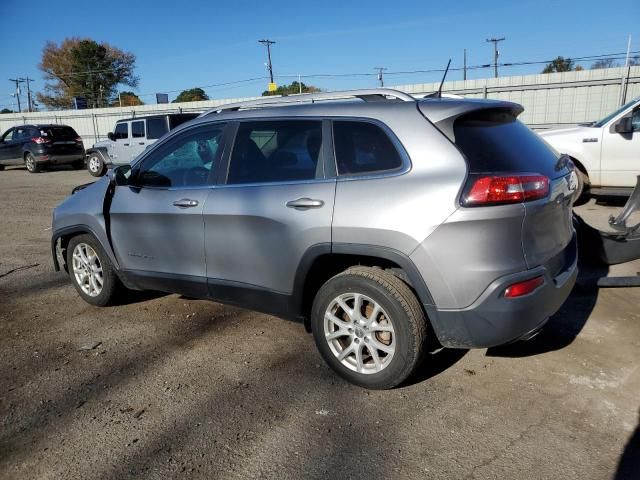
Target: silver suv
[{"x": 376, "y": 219}]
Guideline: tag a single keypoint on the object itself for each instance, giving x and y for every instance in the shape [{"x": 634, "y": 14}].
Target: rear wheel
[
  {"x": 369, "y": 327},
  {"x": 31, "y": 164},
  {"x": 582, "y": 194},
  {"x": 91, "y": 271},
  {"x": 95, "y": 165}
]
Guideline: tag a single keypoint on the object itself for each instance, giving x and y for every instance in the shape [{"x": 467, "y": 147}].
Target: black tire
[
  {"x": 78, "y": 165},
  {"x": 95, "y": 165},
  {"x": 31, "y": 164},
  {"x": 582, "y": 194},
  {"x": 398, "y": 304},
  {"x": 111, "y": 285}
]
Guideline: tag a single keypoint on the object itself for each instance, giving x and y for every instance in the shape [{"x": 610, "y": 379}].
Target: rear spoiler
[{"x": 443, "y": 112}]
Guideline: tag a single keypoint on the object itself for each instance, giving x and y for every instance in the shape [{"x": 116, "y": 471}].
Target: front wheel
[
  {"x": 91, "y": 271},
  {"x": 369, "y": 327},
  {"x": 31, "y": 164},
  {"x": 95, "y": 165}
]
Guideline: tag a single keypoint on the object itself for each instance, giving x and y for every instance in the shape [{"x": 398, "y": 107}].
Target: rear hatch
[
  {"x": 62, "y": 140},
  {"x": 495, "y": 143}
]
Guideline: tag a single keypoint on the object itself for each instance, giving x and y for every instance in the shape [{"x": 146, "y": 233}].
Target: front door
[
  {"x": 120, "y": 150},
  {"x": 621, "y": 155},
  {"x": 276, "y": 205},
  {"x": 138, "y": 139},
  {"x": 157, "y": 227}
]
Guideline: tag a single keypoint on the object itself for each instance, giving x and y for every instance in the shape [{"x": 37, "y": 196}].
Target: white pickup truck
[{"x": 606, "y": 153}]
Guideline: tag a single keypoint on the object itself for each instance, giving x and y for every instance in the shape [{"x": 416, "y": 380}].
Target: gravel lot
[{"x": 172, "y": 387}]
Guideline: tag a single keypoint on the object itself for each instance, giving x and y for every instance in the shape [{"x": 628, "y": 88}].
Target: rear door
[
  {"x": 156, "y": 222},
  {"x": 9, "y": 147},
  {"x": 276, "y": 205},
  {"x": 495, "y": 142}
]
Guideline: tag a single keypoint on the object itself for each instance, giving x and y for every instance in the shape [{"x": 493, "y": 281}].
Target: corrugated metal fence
[{"x": 550, "y": 100}]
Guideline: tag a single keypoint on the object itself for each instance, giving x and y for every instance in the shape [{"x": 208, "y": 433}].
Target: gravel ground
[{"x": 169, "y": 387}]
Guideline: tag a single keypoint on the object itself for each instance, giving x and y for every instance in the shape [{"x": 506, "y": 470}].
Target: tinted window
[
  {"x": 8, "y": 135},
  {"x": 21, "y": 133},
  {"x": 186, "y": 161},
  {"x": 494, "y": 141},
  {"x": 137, "y": 129},
  {"x": 363, "y": 147},
  {"x": 121, "y": 131},
  {"x": 276, "y": 151},
  {"x": 156, "y": 127},
  {"x": 180, "y": 118},
  {"x": 635, "y": 120},
  {"x": 59, "y": 133}
]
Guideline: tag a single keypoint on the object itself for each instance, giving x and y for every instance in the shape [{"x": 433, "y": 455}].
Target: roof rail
[{"x": 367, "y": 95}]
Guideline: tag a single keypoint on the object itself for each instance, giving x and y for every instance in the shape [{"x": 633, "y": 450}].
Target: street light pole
[
  {"x": 496, "y": 53},
  {"x": 268, "y": 43}
]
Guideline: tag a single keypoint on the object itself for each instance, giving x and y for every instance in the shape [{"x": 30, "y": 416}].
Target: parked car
[
  {"x": 129, "y": 138},
  {"x": 368, "y": 221},
  {"x": 606, "y": 153},
  {"x": 37, "y": 146}
]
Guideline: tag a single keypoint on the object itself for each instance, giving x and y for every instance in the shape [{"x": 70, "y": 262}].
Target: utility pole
[
  {"x": 268, "y": 43},
  {"x": 17, "y": 82},
  {"x": 28, "y": 80},
  {"x": 464, "y": 70},
  {"x": 496, "y": 53},
  {"x": 380, "y": 75}
]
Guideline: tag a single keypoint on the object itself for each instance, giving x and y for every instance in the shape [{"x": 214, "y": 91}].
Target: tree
[
  {"x": 81, "y": 67},
  {"x": 604, "y": 63},
  {"x": 292, "y": 89},
  {"x": 6, "y": 110},
  {"x": 126, "y": 99},
  {"x": 191, "y": 95},
  {"x": 561, "y": 64}
]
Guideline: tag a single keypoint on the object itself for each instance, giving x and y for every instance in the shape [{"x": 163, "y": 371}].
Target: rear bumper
[
  {"x": 495, "y": 320},
  {"x": 52, "y": 159}
]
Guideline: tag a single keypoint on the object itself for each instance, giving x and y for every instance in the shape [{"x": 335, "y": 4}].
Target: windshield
[{"x": 602, "y": 122}]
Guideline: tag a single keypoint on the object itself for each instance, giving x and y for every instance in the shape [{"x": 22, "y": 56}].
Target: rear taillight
[
  {"x": 40, "y": 140},
  {"x": 523, "y": 288},
  {"x": 78, "y": 140},
  {"x": 485, "y": 190}
]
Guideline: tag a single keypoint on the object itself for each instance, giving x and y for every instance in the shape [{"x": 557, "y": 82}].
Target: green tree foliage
[
  {"x": 127, "y": 99},
  {"x": 84, "y": 68},
  {"x": 561, "y": 64},
  {"x": 6, "y": 110},
  {"x": 292, "y": 89},
  {"x": 191, "y": 95}
]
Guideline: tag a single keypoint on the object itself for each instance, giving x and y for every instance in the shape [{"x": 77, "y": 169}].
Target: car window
[
  {"x": 156, "y": 127},
  {"x": 121, "y": 131},
  {"x": 276, "y": 151},
  {"x": 21, "y": 133},
  {"x": 362, "y": 147},
  {"x": 58, "y": 133},
  {"x": 185, "y": 161},
  {"x": 8, "y": 136},
  {"x": 137, "y": 129},
  {"x": 635, "y": 120}
]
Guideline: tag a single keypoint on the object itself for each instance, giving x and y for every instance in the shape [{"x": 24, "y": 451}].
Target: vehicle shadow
[
  {"x": 629, "y": 464},
  {"x": 434, "y": 364},
  {"x": 130, "y": 297}
]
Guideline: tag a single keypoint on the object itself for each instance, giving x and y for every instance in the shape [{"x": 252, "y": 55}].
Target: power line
[{"x": 380, "y": 74}]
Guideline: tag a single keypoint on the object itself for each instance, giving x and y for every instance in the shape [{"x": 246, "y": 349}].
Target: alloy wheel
[{"x": 87, "y": 269}]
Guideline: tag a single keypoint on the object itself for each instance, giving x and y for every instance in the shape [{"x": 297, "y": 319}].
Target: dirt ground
[{"x": 170, "y": 387}]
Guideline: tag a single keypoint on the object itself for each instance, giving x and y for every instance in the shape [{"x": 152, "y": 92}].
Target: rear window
[
  {"x": 175, "y": 120},
  {"x": 156, "y": 127},
  {"x": 59, "y": 133},
  {"x": 495, "y": 141},
  {"x": 137, "y": 129},
  {"x": 363, "y": 147}
]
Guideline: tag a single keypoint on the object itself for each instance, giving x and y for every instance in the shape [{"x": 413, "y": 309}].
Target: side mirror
[
  {"x": 111, "y": 136},
  {"x": 624, "y": 125},
  {"x": 120, "y": 175}
]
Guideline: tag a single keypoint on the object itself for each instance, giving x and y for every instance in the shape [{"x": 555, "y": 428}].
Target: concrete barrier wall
[{"x": 550, "y": 101}]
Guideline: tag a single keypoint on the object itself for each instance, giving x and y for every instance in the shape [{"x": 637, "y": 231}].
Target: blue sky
[{"x": 198, "y": 43}]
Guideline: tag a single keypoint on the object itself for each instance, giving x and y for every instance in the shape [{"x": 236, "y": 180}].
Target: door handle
[
  {"x": 140, "y": 143},
  {"x": 304, "y": 203},
  {"x": 185, "y": 203},
  {"x": 125, "y": 144}
]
